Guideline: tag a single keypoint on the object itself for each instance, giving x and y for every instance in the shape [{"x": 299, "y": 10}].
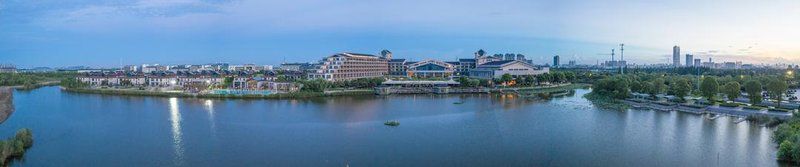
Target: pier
[{"x": 716, "y": 110}]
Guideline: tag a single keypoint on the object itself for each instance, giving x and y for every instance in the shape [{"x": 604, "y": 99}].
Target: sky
[{"x": 110, "y": 33}]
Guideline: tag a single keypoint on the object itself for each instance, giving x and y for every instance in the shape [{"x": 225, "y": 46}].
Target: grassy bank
[
  {"x": 292, "y": 95},
  {"x": 14, "y": 147}
]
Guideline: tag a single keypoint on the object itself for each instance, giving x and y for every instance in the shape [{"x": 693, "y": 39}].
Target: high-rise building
[
  {"x": 689, "y": 60},
  {"x": 556, "y": 61},
  {"x": 697, "y": 62},
  {"x": 676, "y": 56}
]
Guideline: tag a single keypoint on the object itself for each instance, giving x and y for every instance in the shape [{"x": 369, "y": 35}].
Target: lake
[{"x": 73, "y": 129}]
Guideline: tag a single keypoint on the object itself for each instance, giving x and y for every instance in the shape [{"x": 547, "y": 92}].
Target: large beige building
[{"x": 350, "y": 66}]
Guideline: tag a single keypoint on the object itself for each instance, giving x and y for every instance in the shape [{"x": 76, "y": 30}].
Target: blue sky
[{"x": 102, "y": 33}]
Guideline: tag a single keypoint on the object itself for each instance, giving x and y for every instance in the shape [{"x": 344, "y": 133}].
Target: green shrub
[
  {"x": 753, "y": 107},
  {"x": 15, "y": 146},
  {"x": 729, "y": 104},
  {"x": 780, "y": 110}
]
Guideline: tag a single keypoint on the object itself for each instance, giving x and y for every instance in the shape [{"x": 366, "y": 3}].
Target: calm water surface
[{"x": 73, "y": 129}]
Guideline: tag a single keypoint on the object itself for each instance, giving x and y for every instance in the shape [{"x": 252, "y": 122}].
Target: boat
[
  {"x": 392, "y": 123},
  {"x": 458, "y": 102}
]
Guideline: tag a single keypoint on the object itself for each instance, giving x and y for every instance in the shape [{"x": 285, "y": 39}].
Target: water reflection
[
  {"x": 209, "y": 106},
  {"x": 177, "y": 139}
]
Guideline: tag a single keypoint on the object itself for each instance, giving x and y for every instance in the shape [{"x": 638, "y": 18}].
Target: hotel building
[{"x": 350, "y": 66}]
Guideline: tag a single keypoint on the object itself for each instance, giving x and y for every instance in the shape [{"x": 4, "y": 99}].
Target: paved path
[{"x": 710, "y": 109}]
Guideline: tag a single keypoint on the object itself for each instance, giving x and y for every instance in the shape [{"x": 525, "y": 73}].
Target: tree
[
  {"x": 282, "y": 78},
  {"x": 318, "y": 85},
  {"x": 785, "y": 150},
  {"x": 658, "y": 86},
  {"x": 709, "y": 88},
  {"x": 467, "y": 82},
  {"x": 72, "y": 83},
  {"x": 506, "y": 78},
  {"x": 227, "y": 82},
  {"x": 776, "y": 89},
  {"x": 464, "y": 81},
  {"x": 126, "y": 83},
  {"x": 570, "y": 76},
  {"x": 680, "y": 88},
  {"x": 753, "y": 89},
  {"x": 636, "y": 86},
  {"x": 732, "y": 90},
  {"x": 474, "y": 82},
  {"x": 530, "y": 80},
  {"x": 559, "y": 77},
  {"x": 648, "y": 88},
  {"x": 615, "y": 87}
]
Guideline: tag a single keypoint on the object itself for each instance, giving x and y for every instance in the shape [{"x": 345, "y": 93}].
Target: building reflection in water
[{"x": 177, "y": 139}]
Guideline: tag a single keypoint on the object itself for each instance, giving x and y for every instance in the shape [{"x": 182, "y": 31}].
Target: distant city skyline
[{"x": 103, "y": 33}]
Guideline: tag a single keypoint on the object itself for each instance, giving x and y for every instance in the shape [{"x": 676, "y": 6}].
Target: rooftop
[{"x": 497, "y": 63}]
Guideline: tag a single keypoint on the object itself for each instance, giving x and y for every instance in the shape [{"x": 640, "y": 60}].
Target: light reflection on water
[
  {"x": 209, "y": 106},
  {"x": 480, "y": 130},
  {"x": 177, "y": 136}
]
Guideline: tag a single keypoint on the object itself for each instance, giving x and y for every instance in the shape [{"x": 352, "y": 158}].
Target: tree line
[{"x": 709, "y": 87}]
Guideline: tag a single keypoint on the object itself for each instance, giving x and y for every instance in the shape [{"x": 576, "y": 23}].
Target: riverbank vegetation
[
  {"x": 33, "y": 80},
  {"x": 787, "y": 136},
  {"x": 15, "y": 147},
  {"x": 320, "y": 85},
  {"x": 292, "y": 95},
  {"x": 712, "y": 88}
]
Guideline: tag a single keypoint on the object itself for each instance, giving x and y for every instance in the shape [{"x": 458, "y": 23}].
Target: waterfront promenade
[{"x": 713, "y": 109}]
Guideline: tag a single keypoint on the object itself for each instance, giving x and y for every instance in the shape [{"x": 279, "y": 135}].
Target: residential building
[
  {"x": 297, "y": 66},
  {"x": 8, "y": 68},
  {"x": 36, "y": 70},
  {"x": 689, "y": 60},
  {"x": 676, "y": 56},
  {"x": 130, "y": 68},
  {"x": 496, "y": 69},
  {"x": 481, "y": 57},
  {"x": 350, "y": 66},
  {"x": 431, "y": 68}
]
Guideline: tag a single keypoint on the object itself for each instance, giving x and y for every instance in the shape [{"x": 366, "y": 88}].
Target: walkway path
[{"x": 738, "y": 111}]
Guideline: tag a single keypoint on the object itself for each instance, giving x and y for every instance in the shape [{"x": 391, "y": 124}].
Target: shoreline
[
  {"x": 294, "y": 95},
  {"x": 38, "y": 85}
]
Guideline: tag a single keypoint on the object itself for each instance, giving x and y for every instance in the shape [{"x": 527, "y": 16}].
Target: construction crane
[
  {"x": 622, "y": 52},
  {"x": 622, "y": 58}
]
